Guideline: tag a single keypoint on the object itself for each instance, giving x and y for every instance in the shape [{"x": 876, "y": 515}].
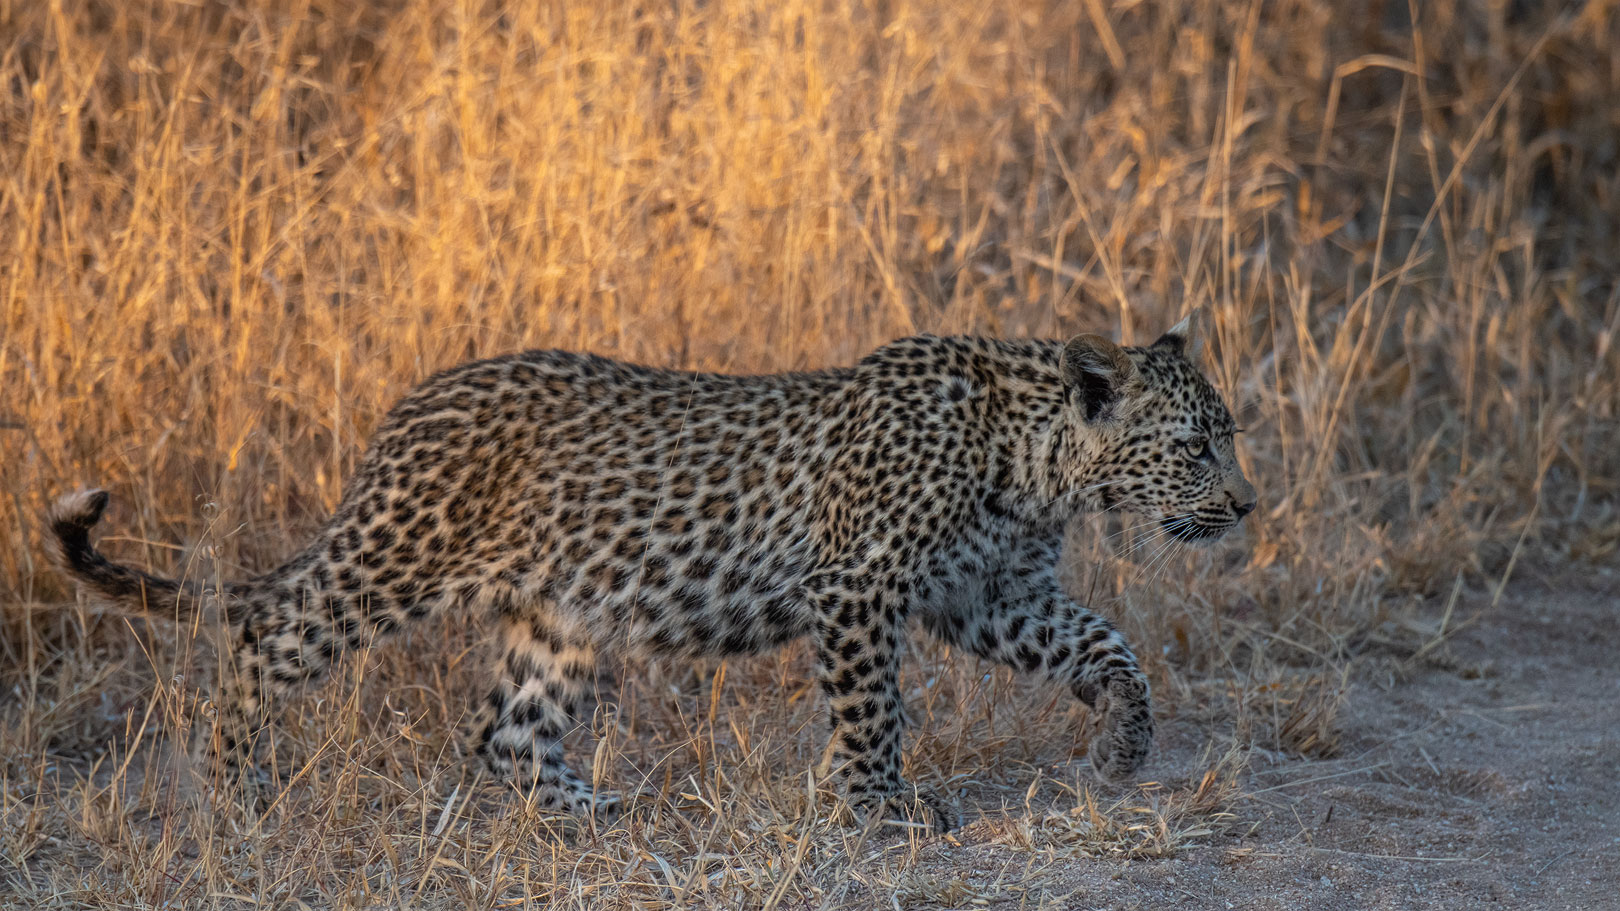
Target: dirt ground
[{"x": 1480, "y": 775}]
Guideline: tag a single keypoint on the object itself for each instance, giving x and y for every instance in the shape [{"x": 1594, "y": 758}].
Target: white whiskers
[{"x": 1160, "y": 558}]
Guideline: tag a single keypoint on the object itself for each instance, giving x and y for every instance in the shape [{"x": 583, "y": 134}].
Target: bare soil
[{"x": 1479, "y": 774}]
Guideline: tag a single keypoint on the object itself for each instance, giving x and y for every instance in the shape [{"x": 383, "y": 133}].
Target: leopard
[{"x": 590, "y": 509}]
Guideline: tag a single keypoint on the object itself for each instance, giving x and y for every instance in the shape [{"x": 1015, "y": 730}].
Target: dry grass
[{"x": 235, "y": 231}]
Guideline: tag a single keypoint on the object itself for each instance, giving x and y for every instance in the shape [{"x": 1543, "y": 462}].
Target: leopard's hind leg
[
  {"x": 287, "y": 631},
  {"x": 546, "y": 690},
  {"x": 277, "y": 643}
]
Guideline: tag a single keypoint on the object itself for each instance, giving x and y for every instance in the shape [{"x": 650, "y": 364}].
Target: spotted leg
[
  {"x": 1032, "y": 625},
  {"x": 545, "y": 691},
  {"x": 858, "y": 645},
  {"x": 283, "y": 638}
]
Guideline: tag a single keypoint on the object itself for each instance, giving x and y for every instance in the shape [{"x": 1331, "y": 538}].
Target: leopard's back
[{"x": 662, "y": 509}]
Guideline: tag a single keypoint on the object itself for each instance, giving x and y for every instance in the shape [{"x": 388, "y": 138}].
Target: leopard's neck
[{"x": 1047, "y": 459}]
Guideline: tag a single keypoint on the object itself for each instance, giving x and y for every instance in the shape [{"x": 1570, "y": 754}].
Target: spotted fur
[{"x": 598, "y": 509}]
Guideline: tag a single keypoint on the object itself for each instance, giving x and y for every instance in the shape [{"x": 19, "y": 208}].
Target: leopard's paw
[
  {"x": 606, "y": 807},
  {"x": 1125, "y": 733},
  {"x": 910, "y": 806}
]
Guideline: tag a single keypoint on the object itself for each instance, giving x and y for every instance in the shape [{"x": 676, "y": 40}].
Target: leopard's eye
[{"x": 1197, "y": 448}]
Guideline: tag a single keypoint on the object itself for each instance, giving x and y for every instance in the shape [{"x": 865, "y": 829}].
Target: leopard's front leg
[
  {"x": 1030, "y": 624},
  {"x": 1103, "y": 672},
  {"x": 858, "y": 636},
  {"x": 1119, "y": 692}
]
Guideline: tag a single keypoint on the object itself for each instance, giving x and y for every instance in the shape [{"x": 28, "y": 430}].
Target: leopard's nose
[{"x": 1243, "y": 509}]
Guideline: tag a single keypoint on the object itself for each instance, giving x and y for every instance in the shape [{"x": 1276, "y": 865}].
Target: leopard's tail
[{"x": 70, "y": 519}]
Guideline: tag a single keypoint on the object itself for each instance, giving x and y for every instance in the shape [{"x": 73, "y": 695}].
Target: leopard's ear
[
  {"x": 1096, "y": 373},
  {"x": 1183, "y": 338}
]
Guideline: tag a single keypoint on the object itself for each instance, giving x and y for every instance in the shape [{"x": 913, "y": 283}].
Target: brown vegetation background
[{"x": 231, "y": 233}]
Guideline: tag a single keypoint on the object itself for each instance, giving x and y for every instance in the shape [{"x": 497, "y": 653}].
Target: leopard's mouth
[{"x": 1195, "y": 531}]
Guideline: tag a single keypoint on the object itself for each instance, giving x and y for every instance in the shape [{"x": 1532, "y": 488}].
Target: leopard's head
[{"x": 1154, "y": 437}]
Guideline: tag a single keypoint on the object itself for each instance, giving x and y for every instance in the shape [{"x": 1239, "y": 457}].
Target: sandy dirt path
[{"x": 1483, "y": 775}]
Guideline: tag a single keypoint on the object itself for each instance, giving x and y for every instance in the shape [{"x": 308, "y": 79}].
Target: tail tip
[{"x": 78, "y": 511}]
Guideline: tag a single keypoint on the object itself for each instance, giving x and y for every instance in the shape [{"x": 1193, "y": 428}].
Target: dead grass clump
[
  {"x": 1308, "y": 727},
  {"x": 1159, "y": 821}
]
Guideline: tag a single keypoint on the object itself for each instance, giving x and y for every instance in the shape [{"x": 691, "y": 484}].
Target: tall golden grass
[{"x": 234, "y": 232}]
